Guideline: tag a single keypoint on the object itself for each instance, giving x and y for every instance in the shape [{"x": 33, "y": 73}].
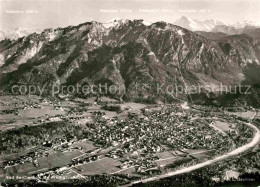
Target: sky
[{"x": 43, "y": 14}]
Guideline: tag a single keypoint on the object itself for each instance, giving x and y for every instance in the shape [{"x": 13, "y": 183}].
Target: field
[
  {"x": 25, "y": 112},
  {"x": 83, "y": 122},
  {"x": 129, "y": 171},
  {"x": 104, "y": 165},
  {"x": 86, "y": 145},
  {"x": 231, "y": 174},
  {"x": 178, "y": 162},
  {"x": 58, "y": 159},
  {"x": 40, "y": 112},
  {"x": 14, "y": 156},
  {"x": 168, "y": 158},
  {"x": 125, "y": 107},
  {"x": 205, "y": 154},
  {"x": 166, "y": 161},
  {"x": 247, "y": 114},
  {"x": 80, "y": 146},
  {"x": 133, "y": 106},
  {"x": 222, "y": 126},
  {"x": 20, "y": 98},
  {"x": 163, "y": 155},
  {"x": 71, "y": 174}
]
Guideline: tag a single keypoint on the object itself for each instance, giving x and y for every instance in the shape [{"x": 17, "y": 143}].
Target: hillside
[{"x": 123, "y": 53}]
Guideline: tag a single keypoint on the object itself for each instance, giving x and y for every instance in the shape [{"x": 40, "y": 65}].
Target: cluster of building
[{"x": 138, "y": 137}]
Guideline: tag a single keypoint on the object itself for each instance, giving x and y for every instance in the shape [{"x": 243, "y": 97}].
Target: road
[{"x": 235, "y": 152}]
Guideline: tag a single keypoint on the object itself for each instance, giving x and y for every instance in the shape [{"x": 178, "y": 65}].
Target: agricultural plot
[
  {"x": 8, "y": 126},
  {"x": 20, "y": 98},
  {"x": 248, "y": 114},
  {"x": 200, "y": 153},
  {"x": 133, "y": 106},
  {"x": 70, "y": 175},
  {"x": 231, "y": 174},
  {"x": 166, "y": 161},
  {"x": 223, "y": 126},
  {"x": 109, "y": 114},
  {"x": 129, "y": 171},
  {"x": 178, "y": 162},
  {"x": 86, "y": 145},
  {"x": 104, "y": 165},
  {"x": 22, "y": 169},
  {"x": 15, "y": 156},
  {"x": 40, "y": 112},
  {"x": 83, "y": 122},
  {"x": 107, "y": 99},
  {"x": 18, "y": 111},
  {"x": 168, "y": 158},
  {"x": 164, "y": 155},
  {"x": 58, "y": 159}
]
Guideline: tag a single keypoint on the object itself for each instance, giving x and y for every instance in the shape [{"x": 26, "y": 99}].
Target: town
[{"x": 80, "y": 138}]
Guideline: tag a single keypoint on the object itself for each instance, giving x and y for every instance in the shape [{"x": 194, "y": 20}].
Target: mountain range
[
  {"x": 16, "y": 33},
  {"x": 126, "y": 52},
  {"x": 251, "y": 30},
  {"x": 209, "y": 25},
  {"x": 216, "y": 26},
  {"x": 197, "y": 25}
]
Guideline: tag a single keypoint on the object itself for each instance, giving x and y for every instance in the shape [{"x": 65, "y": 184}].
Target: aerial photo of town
[{"x": 148, "y": 93}]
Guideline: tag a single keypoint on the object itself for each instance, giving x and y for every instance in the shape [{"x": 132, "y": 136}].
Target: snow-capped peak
[
  {"x": 245, "y": 23},
  {"x": 197, "y": 25},
  {"x": 147, "y": 23},
  {"x": 114, "y": 22}
]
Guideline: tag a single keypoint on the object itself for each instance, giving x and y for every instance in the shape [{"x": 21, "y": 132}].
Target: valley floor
[{"x": 59, "y": 140}]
